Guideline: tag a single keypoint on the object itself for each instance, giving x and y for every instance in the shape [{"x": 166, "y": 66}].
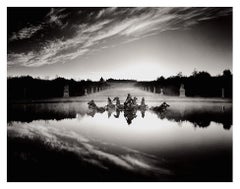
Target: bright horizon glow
[{"x": 120, "y": 43}]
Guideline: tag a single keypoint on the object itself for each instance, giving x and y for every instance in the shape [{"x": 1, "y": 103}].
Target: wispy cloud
[
  {"x": 25, "y": 33},
  {"x": 54, "y": 17},
  {"x": 128, "y": 23}
]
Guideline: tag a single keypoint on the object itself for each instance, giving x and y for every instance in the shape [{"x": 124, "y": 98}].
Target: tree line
[
  {"x": 200, "y": 84},
  {"x": 26, "y": 87}
]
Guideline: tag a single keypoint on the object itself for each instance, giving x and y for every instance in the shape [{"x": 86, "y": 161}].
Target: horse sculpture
[
  {"x": 163, "y": 107},
  {"x": 128, "y": 101},
  {"x": 93, "y": 107},
  {"x": 130, "y": 104},
  {"x": 130, "y": 108},
  {"x": 119, "y": 106},
  {"x": 110, "y": 105}
]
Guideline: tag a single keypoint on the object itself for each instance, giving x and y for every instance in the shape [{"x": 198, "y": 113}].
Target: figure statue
[
  {"x": 128, "y": 101},
  {"x": 143, "y": 102},
  {"x": 134, "y": 103},
  {"x": 110, "y": 105},
  {"x": 119, "y": 106},
  {"x": 142, "y": 106},
  {"x": 109, "y": 101},
  {"x": 130, "y": 108}
]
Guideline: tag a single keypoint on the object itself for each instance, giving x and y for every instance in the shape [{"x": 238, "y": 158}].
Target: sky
[{"x": 140, "y": 43}]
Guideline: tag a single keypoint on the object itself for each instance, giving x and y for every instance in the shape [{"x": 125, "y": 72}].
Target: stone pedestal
[
  {"x": 161, "y": 92},
  {"x": 66, "y": 91},
  {"x": 223, "y": 93},
  {"x": 85, "y": 92},
  {"x": 91, "y": 90},
  {"x": 154, "y": 89},
  {"x": 182, "y": 91}
]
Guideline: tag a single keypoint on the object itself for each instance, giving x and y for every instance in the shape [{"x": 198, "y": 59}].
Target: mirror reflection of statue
[
  {"x": 109, "y": 113},
  {"x": 110, "y": 107},
  {"x": 143, "y": 107},
  {"x": 129, "y": 108},
  {"x": 117, "y": 113},
  {"x": 110, "y": 104},
  {"x": 130, "y": 115},
  {"x": 92, "y": 113},
  {"x": 119, "y": 106},
  {"x": 143, "y": 112},
  {"x": 94, "y": 108}
]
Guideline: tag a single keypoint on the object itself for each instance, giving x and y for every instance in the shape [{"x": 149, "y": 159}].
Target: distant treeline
[
  {"x": 26, "y": 87},
  {"x": 121, "y": 80},
  {"x": 200, "y": 84}
]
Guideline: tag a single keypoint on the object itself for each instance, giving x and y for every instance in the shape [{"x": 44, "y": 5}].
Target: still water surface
[{"x": 188, "y": 142}]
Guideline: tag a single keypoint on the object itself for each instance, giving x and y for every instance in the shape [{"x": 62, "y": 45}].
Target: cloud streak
[
  {"x": 129, "y": 24},
  {"x": 54, "y": 17},
  {"x": 25, "y": 33}
]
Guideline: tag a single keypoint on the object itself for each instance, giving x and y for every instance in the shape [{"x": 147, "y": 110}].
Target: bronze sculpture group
[{"x": 129, "y": 107}]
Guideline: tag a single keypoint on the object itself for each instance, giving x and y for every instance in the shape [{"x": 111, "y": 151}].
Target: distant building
[
  {"x": 182, "y": 91},
  {"x": 66, "y": 91}
]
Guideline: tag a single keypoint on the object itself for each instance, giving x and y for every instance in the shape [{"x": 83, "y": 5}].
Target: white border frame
[{"x": 120, "y": 3}]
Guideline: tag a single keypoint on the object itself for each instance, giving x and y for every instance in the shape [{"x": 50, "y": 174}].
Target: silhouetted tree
[{"x": 198, "y": 84}]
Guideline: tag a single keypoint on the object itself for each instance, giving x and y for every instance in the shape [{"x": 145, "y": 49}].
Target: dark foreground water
[{"x": 67, "y": 142}]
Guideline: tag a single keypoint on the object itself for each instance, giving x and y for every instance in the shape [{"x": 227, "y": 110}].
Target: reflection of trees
[
  {"x": 200, "y": 83},
  {"x": 199, "y": 117},
  {"x": 47, "y": 111},
  {"x": 26, "y": 87}
]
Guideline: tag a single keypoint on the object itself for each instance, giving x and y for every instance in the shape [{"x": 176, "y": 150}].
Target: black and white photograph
[{"x": 119, "y": 94}]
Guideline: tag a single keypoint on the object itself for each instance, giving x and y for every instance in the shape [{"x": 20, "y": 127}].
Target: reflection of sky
[
  {"x": 149, "y": 132},
  {"x": 58, "y": 136},
  {"x": 134, "y": 147}
]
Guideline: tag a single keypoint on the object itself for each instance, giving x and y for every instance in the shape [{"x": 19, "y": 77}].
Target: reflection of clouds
[
  {"x": 98, "y": 154},
  {"x": 111, "y": 157},
  {"x": 136, "y": 162}
]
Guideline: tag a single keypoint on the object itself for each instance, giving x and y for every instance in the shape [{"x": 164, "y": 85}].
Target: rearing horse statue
[
  {"x": 119, "y": 106},
  {"x": 110, "y": 105}
]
